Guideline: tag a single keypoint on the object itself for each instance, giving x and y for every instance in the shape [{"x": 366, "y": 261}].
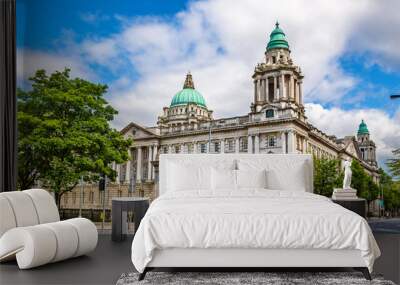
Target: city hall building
[{"x": 276, "y": 123}]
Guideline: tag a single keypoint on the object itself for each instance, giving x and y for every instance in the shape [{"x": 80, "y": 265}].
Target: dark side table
[
  {"x": 119, "y": 214},
  {"x": 356, "y": 205}
]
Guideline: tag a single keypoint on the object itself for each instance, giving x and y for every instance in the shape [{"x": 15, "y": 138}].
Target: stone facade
[{"x": 276, "y": 123}]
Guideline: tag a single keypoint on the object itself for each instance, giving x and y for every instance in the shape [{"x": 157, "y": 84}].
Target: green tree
[
  {"x": 358, "y": 178},
  {"x": 394, "y": 164},
  {"x": 390, "y": 190},
  {"x": 64, "y": 133},
  {"x": 327, "y": 175},
  {"x": 363, "y": 183}
]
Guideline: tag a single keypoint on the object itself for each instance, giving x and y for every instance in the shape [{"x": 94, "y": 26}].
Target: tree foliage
[
  {"x": 363, "y": 183},
  {"x": 327, "y": 175},
  {"x": 394, "y": 164},
  {"x": 64, "y": 133},
  {"x": 390, "y": 190}
]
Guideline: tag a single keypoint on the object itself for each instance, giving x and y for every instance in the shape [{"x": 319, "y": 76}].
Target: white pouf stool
[{"x": 31, "y": 230}]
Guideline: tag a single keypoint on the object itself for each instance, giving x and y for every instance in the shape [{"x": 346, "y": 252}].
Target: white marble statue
[{"x": 347, "y": 175}]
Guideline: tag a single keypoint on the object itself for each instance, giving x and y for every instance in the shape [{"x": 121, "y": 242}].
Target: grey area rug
[{"x": 232, "y": 278}]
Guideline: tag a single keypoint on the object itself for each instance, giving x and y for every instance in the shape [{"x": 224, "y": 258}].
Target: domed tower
[
  {"x": 187, "y": 109},
  {"x": 366, "y": 145},
  {"x": 277, "y": 81}
]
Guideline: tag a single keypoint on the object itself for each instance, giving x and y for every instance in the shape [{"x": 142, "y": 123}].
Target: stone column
[
  {"x": 292, "y": 97},
  {"x": 149, "y": 155},
  {"x": 255, "y": 91},
  {"x": 139, "y": 165},
  {"x": 275, "y": 92},
  {"x": 249, "y": 144},
  {"x": 300, "y": 93},
  {"x": 222, "y": 146},
  {"x": 263, "y": 90},
  {"x": 259, "y": 88},
  {"x": 282, "y": 87},
  {"x": 257, "y": 143},
  {"x": 283, "y": 142},
  {"x": 169, "y": 148},
  {"x": 291, "y": 142},
  {"x": 237, "y": 145},
  {"x": 194, "y": 147},
  {"x": 128, "y": 168},
  {"x": 267, "y": 89},
  {"x": 154, "y": 158},
  {"x": 304, "y": 145}
]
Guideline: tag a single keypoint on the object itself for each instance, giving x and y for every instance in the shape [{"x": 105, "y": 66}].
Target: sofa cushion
[
  {"x": 7, "y": 218},
  {"x": 67, "y": 240},
  {"x": 87, "y": 235},
  {"x": 45, "y": 205},
  {"x": 23, "y": 208}
]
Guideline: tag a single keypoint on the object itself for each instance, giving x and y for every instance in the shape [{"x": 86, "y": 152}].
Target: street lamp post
[
  {"x": 209, "y": 137},
  {"x": 104, "y": 202},
  {"x": 142, "y": 186},
  {"x": 80, "y": 198}
]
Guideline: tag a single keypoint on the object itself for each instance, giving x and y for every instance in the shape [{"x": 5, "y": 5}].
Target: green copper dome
[
  {"x": 362, "y": 128},
  {"x": 277, "y": 39},
  {"x": 188, "y": 94}
]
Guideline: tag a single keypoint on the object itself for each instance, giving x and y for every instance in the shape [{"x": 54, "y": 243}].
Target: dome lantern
[
  {"x": 188, "y": 94},
  {"x": 188, "y": 81},
  {"x": 277, "y": 39},
  {"x": 362, "y": 129}
]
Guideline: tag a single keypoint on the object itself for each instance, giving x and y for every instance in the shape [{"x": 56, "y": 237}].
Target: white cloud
[
  {"x": 28, "y": 61},
  {"x": 222, "y": 45},
  {"x": 384, "y": 130},
  {"x": 378, "y": 35}
]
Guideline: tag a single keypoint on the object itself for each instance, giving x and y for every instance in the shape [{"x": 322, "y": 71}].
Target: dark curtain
[{"x": 8, "y": 101}]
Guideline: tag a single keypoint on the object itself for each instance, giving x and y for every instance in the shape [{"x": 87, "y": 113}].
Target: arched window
[{"x": 269, "y": 113}]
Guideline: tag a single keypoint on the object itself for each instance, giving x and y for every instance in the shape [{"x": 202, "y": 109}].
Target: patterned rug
[{"x": 243, "y": 278}]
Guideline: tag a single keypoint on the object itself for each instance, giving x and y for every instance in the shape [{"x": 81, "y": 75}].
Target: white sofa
[{"x": 31, "y": 230}]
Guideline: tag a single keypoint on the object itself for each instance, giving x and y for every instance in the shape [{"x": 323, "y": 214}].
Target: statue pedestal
[{"x": 344, "y": 194}]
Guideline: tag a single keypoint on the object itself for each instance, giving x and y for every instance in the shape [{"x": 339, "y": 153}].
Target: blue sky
[
  {"x": 46, "y": 19},
  {"x": 142, "y": 50}
]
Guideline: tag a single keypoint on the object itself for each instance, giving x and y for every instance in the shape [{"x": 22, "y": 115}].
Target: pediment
[
  {"x": 135, "y": 131},
  {"x": 268, "y": 106},
  {"x": 352, "y": 148}
]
